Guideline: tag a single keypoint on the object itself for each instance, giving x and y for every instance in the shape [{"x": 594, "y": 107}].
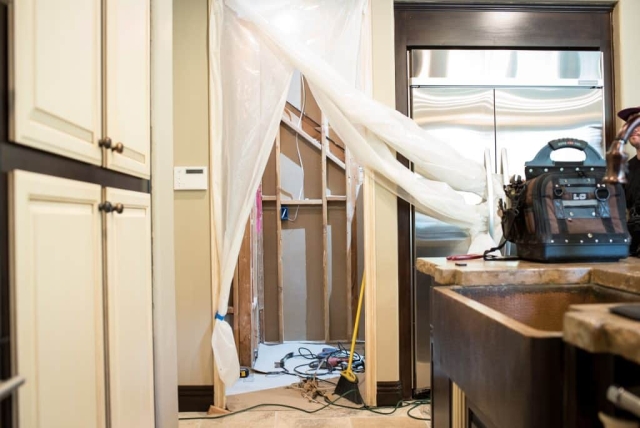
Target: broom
[{"x": 347, "y": 386}]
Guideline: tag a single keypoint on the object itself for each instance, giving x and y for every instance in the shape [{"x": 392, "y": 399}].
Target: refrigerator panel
[
  {"x": 528, "y": 118},
  {"x": 463, "y": 117},
  {"x": 500, "y": 67}
]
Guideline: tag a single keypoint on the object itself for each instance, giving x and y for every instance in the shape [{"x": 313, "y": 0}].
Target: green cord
[
  {"x": 400, "y": 404},
  {"x": 415, "y": 406}
]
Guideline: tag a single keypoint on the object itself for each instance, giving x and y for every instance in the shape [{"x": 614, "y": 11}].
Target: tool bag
[{"x": 563, "y": 211}]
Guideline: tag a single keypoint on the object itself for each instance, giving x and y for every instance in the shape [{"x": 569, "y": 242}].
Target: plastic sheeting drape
[{"x": 254, "y": 47}]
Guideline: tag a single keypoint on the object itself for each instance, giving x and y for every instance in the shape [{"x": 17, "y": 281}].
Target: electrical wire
[{"x": 399, "y": 405}]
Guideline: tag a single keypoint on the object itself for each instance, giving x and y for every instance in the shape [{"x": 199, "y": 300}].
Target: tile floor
[{"x": 330, "y": 417}]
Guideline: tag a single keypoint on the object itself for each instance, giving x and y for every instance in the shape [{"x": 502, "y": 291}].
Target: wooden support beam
[
  {"x": 370, "y": 263},
  {"x": 279, "y": 244},
  {"x": 325, "y": 267},
  {"x": 349, "y": 183},
  {"x": 244, "y": 298},
  {"x": 330, "y": 198},
  {"x": 234, "y": 307},
  {"x": 257, "y": 268},
  {"x": 311, "y": 140}
]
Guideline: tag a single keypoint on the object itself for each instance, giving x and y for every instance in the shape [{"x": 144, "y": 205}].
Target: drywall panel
[
  {"x": 294, "y": 96},
  {"x": 303, "y": 298},
  {"x": 311, "y": 108},
  {"x": 336, "y": 182},
  {"x": 298, "y": 161},
  {"x": 337, "y": 266},
  {"x": 269, "y": 175},
  {"x": 270, "y": 263}
]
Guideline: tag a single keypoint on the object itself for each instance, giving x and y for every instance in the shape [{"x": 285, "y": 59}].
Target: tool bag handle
[{"x": 543, "y": 157}]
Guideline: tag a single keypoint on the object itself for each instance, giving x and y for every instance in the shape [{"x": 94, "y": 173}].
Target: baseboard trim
[
  {"x": 388, "y": 393},
  {"x": 194, "y": 398}
]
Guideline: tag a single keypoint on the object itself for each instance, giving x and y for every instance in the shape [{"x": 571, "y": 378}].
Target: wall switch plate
[{"x": 190, "y": 178}]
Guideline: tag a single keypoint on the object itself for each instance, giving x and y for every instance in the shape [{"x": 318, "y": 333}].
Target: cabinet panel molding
[
  {"x": 127, "y": 84},
  {"x": 129, "y": 313},
  {"x": 55, "y": 77},
  {"x": 56, "y": 279}
]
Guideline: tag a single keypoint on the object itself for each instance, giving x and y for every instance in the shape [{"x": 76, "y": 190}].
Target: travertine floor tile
[
  {"x": 387, "y": 422},
  {"x": 261, "y": 419},
  {"x": 189, "y": 424},
  {"x": 283, "y": 420}
]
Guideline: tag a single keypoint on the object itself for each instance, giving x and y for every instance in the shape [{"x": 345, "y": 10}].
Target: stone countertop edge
[
  {"x": 594, "y": 329},
  {"x": 622, "y": 275}
]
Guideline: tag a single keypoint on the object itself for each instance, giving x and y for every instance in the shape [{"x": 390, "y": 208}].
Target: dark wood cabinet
[{"x": 587, "y": 377}]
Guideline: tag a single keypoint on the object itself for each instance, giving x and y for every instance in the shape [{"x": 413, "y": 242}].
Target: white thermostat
[{"x": 190, "y": 178}]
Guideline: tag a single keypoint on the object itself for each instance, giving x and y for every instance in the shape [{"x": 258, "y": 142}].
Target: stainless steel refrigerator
[{"x": 510, "y": 103}]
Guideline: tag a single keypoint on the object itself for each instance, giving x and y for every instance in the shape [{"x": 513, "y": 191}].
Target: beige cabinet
[
  {"x": 129, "y": 303},
  {"x": 64, "y": 55},
  {"x": 128, "y": 86},
  {"x": 56, "y": 276},
  {"x": 55, "y": 77},
  {"x": 82, "y": 318}
]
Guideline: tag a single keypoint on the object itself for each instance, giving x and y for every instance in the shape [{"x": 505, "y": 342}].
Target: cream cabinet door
[
  {"x": 129, "y": 303},
  {"x": 128, "y": 86},
  {"x": 55, "y": 77},
  {"x": 56, "y": 277}
]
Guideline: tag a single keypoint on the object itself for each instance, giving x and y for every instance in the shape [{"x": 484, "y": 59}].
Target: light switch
[{"x": 190, "y": 178}]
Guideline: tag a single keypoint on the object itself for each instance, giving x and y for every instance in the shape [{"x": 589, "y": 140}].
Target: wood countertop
[{"x": 590, "y": 327}]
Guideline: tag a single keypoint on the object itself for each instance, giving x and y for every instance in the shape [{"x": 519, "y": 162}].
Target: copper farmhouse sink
[{"x": 502, "y": 345}]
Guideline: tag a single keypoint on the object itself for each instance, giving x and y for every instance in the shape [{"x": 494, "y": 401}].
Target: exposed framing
[
  {"x": 324, "y": 143},
  {"x": 325, "y": 272},
  {"x": 279, "y": 245}
]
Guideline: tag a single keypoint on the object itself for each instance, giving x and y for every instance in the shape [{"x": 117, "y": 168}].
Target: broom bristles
[{"x": 349, "y": 389}]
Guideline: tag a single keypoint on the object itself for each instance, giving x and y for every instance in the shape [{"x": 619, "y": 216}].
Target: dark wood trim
[
  {"x": 405, "y": 252},
  {"x": 405, "y": 296},
  {"x": 459, "y": 25},
  {"x": 15, "y": 156},
  {"x": 586, "y": 379},
  {"x": 476, "y": 417},
  {"x": 603, "y": 6},
  {"x": 195, "y": 398},
  {"x": 388, "y": 393}
]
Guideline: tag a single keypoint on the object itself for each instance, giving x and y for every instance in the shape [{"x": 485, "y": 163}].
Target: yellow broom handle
[{"x": 355, "y": 327}]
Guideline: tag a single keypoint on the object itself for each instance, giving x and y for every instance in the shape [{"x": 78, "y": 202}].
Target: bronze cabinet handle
[
  {"x": 118, "y": 148},
  {"x": 108, "y": 207},
  {"x": 105, "y": 142},
  {"x": 118, "y": 208}
]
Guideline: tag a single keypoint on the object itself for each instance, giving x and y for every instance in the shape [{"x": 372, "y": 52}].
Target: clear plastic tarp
[{"x": 254, "y": 48}]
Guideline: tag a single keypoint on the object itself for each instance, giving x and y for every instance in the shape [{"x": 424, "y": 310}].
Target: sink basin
[
  {"x": 542, "y": 307},
  {"x": 502, "y": 345}
]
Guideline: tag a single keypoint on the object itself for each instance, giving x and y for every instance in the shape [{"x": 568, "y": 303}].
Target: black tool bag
[{"x": 563, "y": 211}]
